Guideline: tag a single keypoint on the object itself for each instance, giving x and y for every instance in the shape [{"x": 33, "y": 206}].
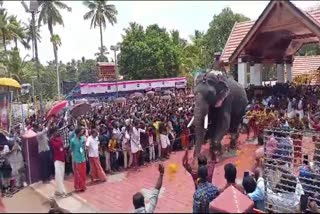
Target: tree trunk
[
  {"x": 4, "y": 42},
  {"x": 55, "y": 52},
  {"x": 101, "y": 41},
  {"x": 16, "y": 43}
]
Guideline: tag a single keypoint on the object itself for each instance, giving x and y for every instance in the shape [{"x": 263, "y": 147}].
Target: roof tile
[{"x": 305, "y": 65}]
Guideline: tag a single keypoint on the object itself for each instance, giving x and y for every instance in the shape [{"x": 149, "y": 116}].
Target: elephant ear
[{"x": 222, "y": 91}]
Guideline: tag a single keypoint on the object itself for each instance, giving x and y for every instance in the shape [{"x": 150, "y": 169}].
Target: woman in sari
[{"x": 77, "y": 146}]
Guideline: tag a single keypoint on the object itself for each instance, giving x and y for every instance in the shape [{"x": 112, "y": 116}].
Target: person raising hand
[{"x": 138, "y": 198}]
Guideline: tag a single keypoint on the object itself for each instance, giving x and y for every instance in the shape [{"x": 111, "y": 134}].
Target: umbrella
[
  {"x": 120, "y": 100},
  {"x": 150, "y": 93},
  {"x": 81, "y": 101},
  {"x": 166, "y": 97},
  {"x": 9, "y": 82},
  {"x": 190, "y": 96},
  {"x": 80, "y": 109},
  {"x": 55, "y": 109},
  {"x": 96, "y": 104},
  {"x": 167, "y": 92},
  {"x": 136, "y": 95}
]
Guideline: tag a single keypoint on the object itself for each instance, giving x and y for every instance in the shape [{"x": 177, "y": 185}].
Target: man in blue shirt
[{"x": 205, "y": 192}]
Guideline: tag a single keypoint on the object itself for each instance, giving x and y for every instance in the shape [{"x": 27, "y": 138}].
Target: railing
[{"x": 291, "y": 169}]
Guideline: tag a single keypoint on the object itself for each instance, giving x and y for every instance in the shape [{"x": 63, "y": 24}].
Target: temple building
[{"x": 274, "y": 38}]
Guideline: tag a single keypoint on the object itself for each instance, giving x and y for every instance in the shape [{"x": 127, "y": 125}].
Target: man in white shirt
[
  {"x": 165, "y": 143},
  {"x": 136, "y": 147},
  {"x": 96, "y": 171},
  {"x": 138, "y": 199},
  {"x": 126, "y": 147},
  {"x": 116, "y": 131}
]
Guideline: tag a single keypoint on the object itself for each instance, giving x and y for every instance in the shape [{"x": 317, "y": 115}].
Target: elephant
[{"x": 220, "y": 104}]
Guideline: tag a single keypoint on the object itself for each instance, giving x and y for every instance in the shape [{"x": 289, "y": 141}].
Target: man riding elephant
[{"x": 220, "y": 104}]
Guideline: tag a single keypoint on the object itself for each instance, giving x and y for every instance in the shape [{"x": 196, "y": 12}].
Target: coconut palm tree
[
  {"x": 29, "y": 34},
  {"x": 5, "y": 28},
  {"x": 18, "y": 33},
  {"x": 50, "y": 15},
  {"x": 102, "y": 57},
  {"x": 100, "y": 13},
  {"x": 56, "y": 41},
  {"x": 11, "y": 29}
]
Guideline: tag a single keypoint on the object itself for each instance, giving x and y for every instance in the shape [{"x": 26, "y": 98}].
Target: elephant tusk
[
  {"x": 206, "y": 122},
  {"x": 191, "y": 122}
]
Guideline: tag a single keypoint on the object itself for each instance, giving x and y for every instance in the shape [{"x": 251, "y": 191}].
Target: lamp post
[
  {"x": 33, "y": 9},
  {"x": 116, "y": 48}
]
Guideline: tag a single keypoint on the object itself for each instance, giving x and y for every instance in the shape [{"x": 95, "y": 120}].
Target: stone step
[{"x": 73, "y": 203}]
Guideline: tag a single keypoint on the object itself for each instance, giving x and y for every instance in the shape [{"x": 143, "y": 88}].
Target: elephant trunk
[{"x": 200, "y": 111}]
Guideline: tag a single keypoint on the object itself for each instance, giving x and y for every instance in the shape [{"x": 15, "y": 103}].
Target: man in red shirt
[
  {"x": 59, "y": 156},
  {"x": 202, "y": 161}
]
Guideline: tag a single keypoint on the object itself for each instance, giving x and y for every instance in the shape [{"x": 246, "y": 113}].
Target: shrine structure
[
  {"x": 106, "y": 71},
  {"x": 274, "y": 38}
]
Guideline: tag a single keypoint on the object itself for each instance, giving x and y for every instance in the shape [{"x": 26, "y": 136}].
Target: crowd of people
[
  {"x": 116, "y": 136},
  {"x": 290, "y": 112},
  {"x": 284, "y": 105},
  {"x": 113, "y": 136}
]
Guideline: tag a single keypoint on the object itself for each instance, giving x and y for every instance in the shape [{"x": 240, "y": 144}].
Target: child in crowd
[{"x": 152, "y": 154}]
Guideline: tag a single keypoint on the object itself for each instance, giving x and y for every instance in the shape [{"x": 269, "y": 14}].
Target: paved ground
[
  {"x": 116, "y": 194},
  {"x": 26, "y": 201}
]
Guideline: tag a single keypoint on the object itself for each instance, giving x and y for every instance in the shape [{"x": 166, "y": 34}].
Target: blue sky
[{"x": 79, "y": 40}]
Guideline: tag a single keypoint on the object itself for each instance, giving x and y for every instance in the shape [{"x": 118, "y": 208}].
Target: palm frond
[
  {"x": 25, "y": 6},
  {"x": 92, "y": 22},
  {"x": 90, "y": 4},
  {"x": 56, "y": 17},
  {"x": 88, "y": 15},
  {"x": 100, "y": 12},
  {"x": 43, "y": 18},
  {"x": 62, "y": 5},
  {"x": 111, "y": 13}
]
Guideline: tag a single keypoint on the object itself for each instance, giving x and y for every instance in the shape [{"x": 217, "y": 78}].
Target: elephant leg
[
  {"x": 233, "y": 142},
  {"x": 220, "y": 129},
  {"x": 234, "y": 130},
  {"x": 197, "y": 150}
]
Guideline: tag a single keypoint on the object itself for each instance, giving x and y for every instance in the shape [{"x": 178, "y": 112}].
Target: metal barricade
[{"x": 291, "y": 169}]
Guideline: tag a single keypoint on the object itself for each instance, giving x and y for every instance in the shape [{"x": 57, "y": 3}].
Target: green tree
[
  {"x": 309, "y": 50},
  {"x": 11, "y": 30},
  {"x": 148, "y": 54},
  {"x": 177, "y": 40},
  {"x": 219, "y": 30},
  {"x": 87, "y": 71},
  {"x": 192, "y": 57},
  {"x": 100, "y": 13},
  {"x": 15, "y": 64},
  {"x": 29, "y": 34},
  {"x": 101, "y": 55},
  {"x": 19, "y": 33}
]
